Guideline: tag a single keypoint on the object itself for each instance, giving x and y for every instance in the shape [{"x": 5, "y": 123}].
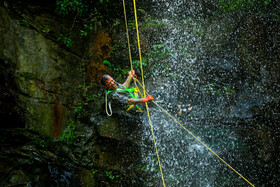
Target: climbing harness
[
  {"x": 145, "y": 92},
  {"x": 134, "y": 93}
]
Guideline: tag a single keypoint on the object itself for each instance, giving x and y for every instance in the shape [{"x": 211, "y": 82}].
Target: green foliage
[
  {"x": 151, "y": 167},
  {"x": 142, "y": 11},
  {"x": 68, "y": 134},
  {"x": 100, "y": 11},
  {"x": 131, "y": 24},
  {"x": 143, "y": 168},
  {"x": 159, "y": 52},
  {"x": 94, "y": 171},
  {"x": 104, "y": 1},
  {"x": 137, "y": 65},
  {"x": 159, "y": 58},
  {"x": 90, "y": 97},
  {"x": 46, "y": 29},
  {"x": 213, "y": 89},
  {"x": 86, "y": 29},
  {"x": 151, "y": 24},
  {"x": 108, "y": 174},
  {"x": 65, "y": 7},
  {"x": 112, "y": 176},
  {"x": 66, "y": 39},
  {"x": 117, "y": 47},
  {"x": 24, "y": 22},
  {"x": 43, "y": 143},
  {"x": 199, "y": 31},
  {"x": 108, "y": 63},
  {"x": 118, "y": 70},
  {"x": 78, "y": 109},
  {"x": 158, "y": 47},
  {"x": 238, "y": 5},
  {"x": 87, "y": 97},
  {"x": 228, "y": 89}
]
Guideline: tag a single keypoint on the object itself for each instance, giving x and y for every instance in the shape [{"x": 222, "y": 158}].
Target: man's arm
[
  {"x": 132, "y": 101},
  {"x": 131, "y": 74}
]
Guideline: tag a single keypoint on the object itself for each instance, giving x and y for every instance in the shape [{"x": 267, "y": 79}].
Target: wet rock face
[
  {"x": 28, "y": 158},
  {"x": 258, "y": 46},
  {"x": 261, "y": 134},
  {"x": 39, "y": 87},
  {"x": 9, "y": 111},
  {"x": 43, "y": 74}
]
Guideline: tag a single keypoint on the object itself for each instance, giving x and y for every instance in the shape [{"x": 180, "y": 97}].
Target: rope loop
[{"x": 106, "y": 100}]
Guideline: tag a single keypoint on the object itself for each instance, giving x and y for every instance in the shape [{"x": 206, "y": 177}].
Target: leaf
[{"x": 107, "y": 62}]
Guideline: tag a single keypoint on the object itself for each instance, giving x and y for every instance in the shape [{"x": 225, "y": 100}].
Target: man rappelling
[{"x": 120, "y": 96}]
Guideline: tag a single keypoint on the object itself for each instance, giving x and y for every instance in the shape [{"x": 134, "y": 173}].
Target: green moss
[{"x": 43, "y": 113}]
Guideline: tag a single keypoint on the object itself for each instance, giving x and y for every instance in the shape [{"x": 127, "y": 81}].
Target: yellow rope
[
  {"x": 198, "y": 139},
  {"x": 127, "y": 36},
  {"x": 129, "y": 52},
  {"x": 139, "y": 48}
]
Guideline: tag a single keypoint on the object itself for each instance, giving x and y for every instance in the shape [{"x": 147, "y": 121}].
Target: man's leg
[{"x": 184, "y": 108}]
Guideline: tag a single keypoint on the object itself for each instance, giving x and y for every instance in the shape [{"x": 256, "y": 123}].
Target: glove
[{"x": 146, "y": 99}]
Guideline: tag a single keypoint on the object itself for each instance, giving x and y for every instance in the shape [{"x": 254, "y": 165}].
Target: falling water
[{"x": 194, "y": 60}]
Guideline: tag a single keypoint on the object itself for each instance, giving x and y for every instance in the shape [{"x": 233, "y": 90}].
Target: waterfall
[{"x": 195, "y": 59}]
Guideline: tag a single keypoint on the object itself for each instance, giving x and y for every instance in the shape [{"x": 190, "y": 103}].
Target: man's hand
[
  {"x": 132, "y": 74},
  {"x": 146, "y": 99}
]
